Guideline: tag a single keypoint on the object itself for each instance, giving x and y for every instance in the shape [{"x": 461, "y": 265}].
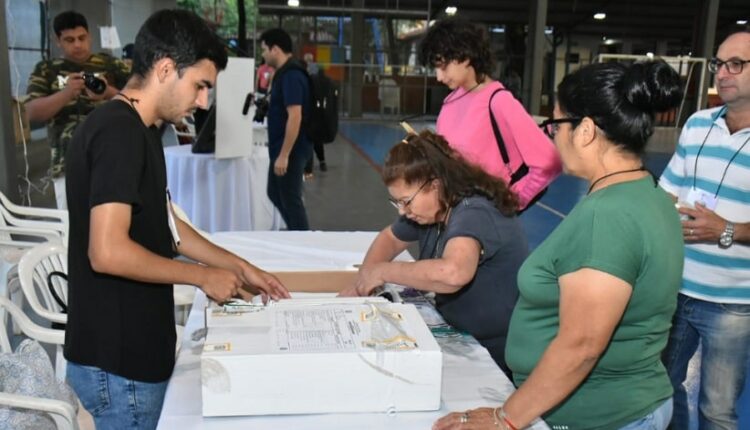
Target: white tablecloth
[
  {"x": 222, "y": 194},
  {"x": 470, "y": 377}
]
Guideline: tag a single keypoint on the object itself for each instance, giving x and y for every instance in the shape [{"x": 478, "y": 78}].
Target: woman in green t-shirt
[{"x": 597, "y": 296}]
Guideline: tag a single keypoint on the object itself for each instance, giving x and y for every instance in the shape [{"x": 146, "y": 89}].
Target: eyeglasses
[
  {"x": 734, "y": 66},
  {"x": 403, "y": 204},
  {"x": 550, "y": 126}
]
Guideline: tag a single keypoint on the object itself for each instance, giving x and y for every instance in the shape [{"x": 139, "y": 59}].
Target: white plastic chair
[
  {"x": 389, "y": 94},
  {"x": 34, "y": 270},
  {"x": 184, "y": 294},
  {"x": 183, "y": 301},
  {"x": 14, "y": 242},
  {"x": 28, "y": 328},
  {"x": 23, "y": 227},
  {"x": 61, "y": 412},
  {"x": 34, "y": 217}
]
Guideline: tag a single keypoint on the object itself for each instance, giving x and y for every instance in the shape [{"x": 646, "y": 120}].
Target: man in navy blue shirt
[{"x": 288, "y": 146}]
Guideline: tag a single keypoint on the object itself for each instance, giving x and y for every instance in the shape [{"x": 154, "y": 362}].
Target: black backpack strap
[
  {"x": 523, "y": 169},
  {"x": 496, "y": 130},
  {"x": 53, "y": 290}
]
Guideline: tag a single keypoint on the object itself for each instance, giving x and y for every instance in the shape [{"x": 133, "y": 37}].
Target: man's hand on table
[
  {"x": 220, "y": 284},
  {"x": 258, "y": 281}
]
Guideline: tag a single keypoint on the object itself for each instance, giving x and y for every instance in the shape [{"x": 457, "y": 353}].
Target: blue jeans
[
  {"x": 656, "y": 420},
  {"x": 116, "y": 402},
  {"x": 285, "y": 192},
  {"x": 723, "y": 331}
]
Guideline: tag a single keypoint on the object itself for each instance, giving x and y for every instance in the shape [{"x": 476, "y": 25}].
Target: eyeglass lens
[{"x": 733, "y": 66}]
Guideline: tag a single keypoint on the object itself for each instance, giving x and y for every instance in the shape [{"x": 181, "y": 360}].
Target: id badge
[
  {"x": 171, "y": 221},
  {"x": 697, "y": 196}
]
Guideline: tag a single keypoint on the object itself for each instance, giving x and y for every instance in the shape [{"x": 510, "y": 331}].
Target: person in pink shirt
[
  {"x": 460, "y": 53},
  {"x": 263, "y": 80}
]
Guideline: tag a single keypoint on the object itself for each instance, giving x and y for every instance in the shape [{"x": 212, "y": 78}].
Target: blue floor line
[{"x": 373, "y": 139}]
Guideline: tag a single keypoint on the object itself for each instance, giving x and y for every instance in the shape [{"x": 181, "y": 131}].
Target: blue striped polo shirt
[{"x": 712, "y": 273}]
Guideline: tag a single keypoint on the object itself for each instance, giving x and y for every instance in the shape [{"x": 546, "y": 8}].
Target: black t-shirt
[
  {"x": 484, "y": 306},
  {"x": 291, "y": 86},
  {"x": 119, "y": 325}
]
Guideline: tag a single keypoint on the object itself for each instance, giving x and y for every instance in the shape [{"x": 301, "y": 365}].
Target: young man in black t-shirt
[{"x": 120, "y": 336}]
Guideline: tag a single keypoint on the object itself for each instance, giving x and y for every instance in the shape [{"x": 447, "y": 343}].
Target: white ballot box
[{"x": 301, "y": 357}]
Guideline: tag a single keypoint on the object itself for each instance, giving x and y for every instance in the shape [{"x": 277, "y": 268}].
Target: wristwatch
[{"x": 727, "y": 236}]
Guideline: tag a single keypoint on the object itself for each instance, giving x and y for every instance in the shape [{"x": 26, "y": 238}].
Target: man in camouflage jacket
[{"x": 57, "y": 92}]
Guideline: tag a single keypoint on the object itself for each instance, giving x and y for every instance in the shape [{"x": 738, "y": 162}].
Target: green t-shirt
[
  {"x": 49, "y": 77},
  {"x": 630, "y": 230}
]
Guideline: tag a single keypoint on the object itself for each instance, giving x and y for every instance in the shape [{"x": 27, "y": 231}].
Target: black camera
[
  {"x": 261, "y": 109},
  {"x": 94, "y": 84}
]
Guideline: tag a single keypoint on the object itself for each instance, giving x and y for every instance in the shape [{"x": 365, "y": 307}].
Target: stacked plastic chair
[
  {"x": 21, "y": 228},
  {"x": 62, "y": 413}
]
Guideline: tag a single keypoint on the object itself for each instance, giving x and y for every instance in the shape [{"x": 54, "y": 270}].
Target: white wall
[{"x": 128, "y": 18}]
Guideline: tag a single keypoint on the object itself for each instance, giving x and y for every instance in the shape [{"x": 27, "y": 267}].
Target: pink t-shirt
[
  {"x": 464, "y": 121},
  {"x": 265, "y": 72}
]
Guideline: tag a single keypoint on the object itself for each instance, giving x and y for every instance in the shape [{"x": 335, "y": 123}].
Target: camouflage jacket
[{"x": 48, "y": 78}]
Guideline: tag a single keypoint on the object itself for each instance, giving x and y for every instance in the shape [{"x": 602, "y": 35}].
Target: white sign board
[{"x": 234, "y": 131}]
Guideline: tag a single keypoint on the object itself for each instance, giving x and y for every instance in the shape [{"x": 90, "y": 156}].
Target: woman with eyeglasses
[
  {"x": 597, "y": 296},
  {"x": 471, "y": 244},
  {"x": 459, "y": 51}
]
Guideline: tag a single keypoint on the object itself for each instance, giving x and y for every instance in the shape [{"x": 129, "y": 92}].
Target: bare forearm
[
  {"x": 742, "y": 233},
  {"x": 435, "y": 275},
  {"x": 44, "y": 108},
  {"x": 198, "y": 248},
  {"x": 560, "y": 371},
  {"x": 130, "y": 260}
]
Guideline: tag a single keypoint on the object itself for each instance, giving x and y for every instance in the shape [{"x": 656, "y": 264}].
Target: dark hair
[
  {"x": 457, "y": 39},
  {"x": 427, "y": 156},
  {"x": 277, "y": 37},
  {"x": 177, "y": 34},
  {"x": 69, "y": 20},
  {"x": 621, "y": 99},
  {"x": 738, "y": 30},
  {"x": 127, "y": 51}
]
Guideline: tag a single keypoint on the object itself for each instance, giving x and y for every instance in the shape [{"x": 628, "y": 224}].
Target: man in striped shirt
[{"x": 709, "y": 178}]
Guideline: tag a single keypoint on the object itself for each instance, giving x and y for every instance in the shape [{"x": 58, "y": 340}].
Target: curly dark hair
[
  {"x": 460, "y": 40},
  {"x": 427, "y": 156}
]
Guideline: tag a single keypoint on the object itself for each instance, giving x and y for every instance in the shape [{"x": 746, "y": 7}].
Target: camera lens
[
  {"x": 94, "y": 84},
  {"x": 261, "y": 110}
]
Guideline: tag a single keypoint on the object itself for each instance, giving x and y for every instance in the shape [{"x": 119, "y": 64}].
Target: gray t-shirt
[{"x": 484, "y": 306}]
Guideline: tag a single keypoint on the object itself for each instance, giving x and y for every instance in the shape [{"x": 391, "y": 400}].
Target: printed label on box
[{"x": 317, "y": 330}]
